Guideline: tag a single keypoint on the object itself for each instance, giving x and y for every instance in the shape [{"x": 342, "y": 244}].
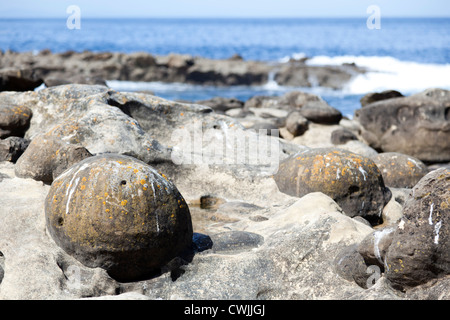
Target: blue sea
[{"x": 408, "y": 55}]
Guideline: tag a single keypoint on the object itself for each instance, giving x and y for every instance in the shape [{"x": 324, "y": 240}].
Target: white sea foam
[{"x": 390, "y": 73}]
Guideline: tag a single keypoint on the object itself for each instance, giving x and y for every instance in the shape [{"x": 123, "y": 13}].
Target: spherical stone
[
  {"x": 400, "y": 170},
  {"x": 353, "y": 181},
  {"x": 120, "y": 214}
]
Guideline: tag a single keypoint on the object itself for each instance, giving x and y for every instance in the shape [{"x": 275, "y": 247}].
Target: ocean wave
[{"x": 389, "y": 73}]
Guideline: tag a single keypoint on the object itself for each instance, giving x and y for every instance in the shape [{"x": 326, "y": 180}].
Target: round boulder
[
  {"x": 353, "y": 181},
  {"x": 14, "y": 120},
  {"x": 120, "y": 214},
  {"x": 420, "y": 246},
  {"x": 400, "y": 170}
]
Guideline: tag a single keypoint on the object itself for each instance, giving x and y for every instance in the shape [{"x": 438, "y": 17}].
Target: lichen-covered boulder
[
  {"x": 120, "y": 214},
  {"x": 353, "y": 181},
  {"x": 420, "y": 246},
  {"x": 400, "y": 170},
  {"x": 14, "y": 120},
  {"x": 46, "y": 157}
]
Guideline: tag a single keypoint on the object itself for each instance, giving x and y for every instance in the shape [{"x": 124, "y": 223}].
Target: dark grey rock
[
  {"x": 320, "y": 112},
  {"x": 350, "y": 265},
  {"x": 12, "y": 148},
  {"x": 201, "y": 242},
  {"x": 374, "y": 247},
  {"x": 417, "y": 125},
  {"x": 296, "y": 124},
  {"x": 14, "y": 120},
  {"x": 18, "y": 79},
  {"x": 378, "y": 96},
  {"x": 419, "y": 250},
  {"x": 342, "y": 136}
]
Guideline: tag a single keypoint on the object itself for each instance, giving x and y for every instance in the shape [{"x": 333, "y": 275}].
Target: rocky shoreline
[
  {"x": 287, "y": 198},
  {"x": 26, "y": 70}
]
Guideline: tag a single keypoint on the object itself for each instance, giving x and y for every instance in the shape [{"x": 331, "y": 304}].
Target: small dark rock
[
  {"x": 320, "y": 112},
  {"x": 296, "y": 124},
  {"x": 342, "y": 136},
  {"x": 201, "y": 242},
  {"x": 18, "y": 80},
  {"x": 12, "y": 148},
  {"x": 14, "y": 120},
  {"x": 350, "y": 265}
]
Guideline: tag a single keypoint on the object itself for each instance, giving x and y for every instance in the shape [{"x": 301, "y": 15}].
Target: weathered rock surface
[
  {"x": 320, "y": 112},
  {"x": 418, "y": 125},
  {"x": 12, "y": 148},
  {"x": 400, "y": 170},
  {"x": 249, "y": 240},
  {"x": 120, "y": 214},
  {"x": 378, "y": 96},
  {"x": 342, "y": 136},
  {"x": 419, "y": 250},
  {"x": 14, "y": 120},
  {"x": 296, "y": 124},
  {"x": 47, "y": 157},
  {"x": 353, "y": 181}
]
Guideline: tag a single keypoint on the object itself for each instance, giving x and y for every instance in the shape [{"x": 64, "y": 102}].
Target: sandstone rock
[
  {"x": 419, "y": 250},
  {"x": 400, "y": 170},
  {"x": 296, "y": 124},
  {"x": 47, "y": 157},
  {"x": 378, "y": 96},
  {"x": 12, "y": 148},
  {"x": 374, "y": 247},
  {"x": 320, "y": 112},
  {"x": 14, "y": 120},
  {"x": 353, "y": 181},
  {"x": 342, "y": 136},
  {"x": 81, "y": 114},
  {"x": 417, "y": 125},
  {"x": 118, "y": 213}
]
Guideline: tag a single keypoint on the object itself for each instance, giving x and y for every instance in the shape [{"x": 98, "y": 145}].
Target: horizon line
[{"x": 230, "y": 17}]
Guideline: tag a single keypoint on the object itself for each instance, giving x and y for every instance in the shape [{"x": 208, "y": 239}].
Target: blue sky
[{"x": 223, "y": 8}]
